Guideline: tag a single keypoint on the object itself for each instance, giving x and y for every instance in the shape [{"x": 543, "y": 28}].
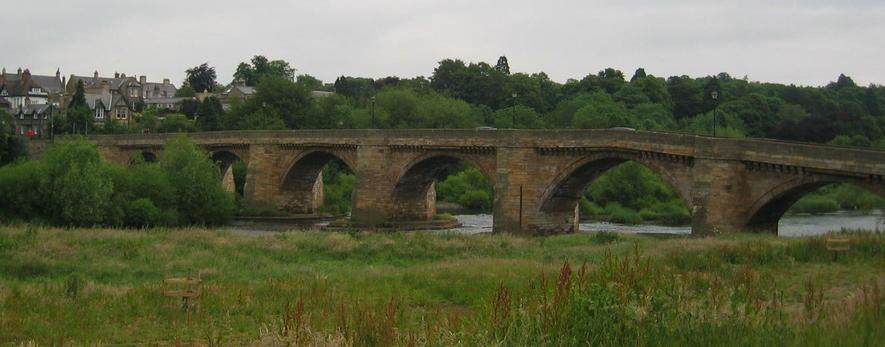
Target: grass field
[{"x": 103, "y": 286}]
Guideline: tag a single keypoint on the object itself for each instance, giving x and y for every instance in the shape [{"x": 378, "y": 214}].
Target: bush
[
  {"x": 815, "y": 204},
  {"x": 143, "y": 213},
  {"x": 476, "y": 200},
  {"x": 620, "y": 214},
  {"x": 200, "y": 199}
]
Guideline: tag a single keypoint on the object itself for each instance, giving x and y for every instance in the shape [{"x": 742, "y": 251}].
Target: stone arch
[
  {"x": 301, "y": 187},
  {"x": 765, "y": 213},
  {"x": 566, "y": 189},
  {"x": 225, "y": 160},
  {"x": 414, "y": 196},
  {"x": 559, "y": 201},
  {"x": 146, "y": 155}
]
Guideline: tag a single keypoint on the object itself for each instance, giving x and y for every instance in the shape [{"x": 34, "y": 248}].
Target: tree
[
  {"x": 686, "y": 96},
  {"x": 78, "y": 182},
  {"x": 196, "y": 180},
  {"x": 262, "y": 67},
  {"x": 11, "y": 146},
  {"x": 603, "y": 112},
  {"x": 524, "y": 118},
  {"x": 209, "y": 114},
  {"x": 201, "y": 78},
  {"x": 639, "y": 74},
  {"x": 79, "y": 98},
  {"x": 502, "y": 66},
  {"x": 186, "y": 91}
]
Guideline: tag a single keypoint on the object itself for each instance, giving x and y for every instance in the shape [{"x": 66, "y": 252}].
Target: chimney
[
  {"x": 165, "y": 81},
  {"x": 116, "y": 75},
  {"x": 122, "y": 75},
  {"x": 241, "y": 82},
  {"x": 19, "y": 72},
  {"x": 26, "y": 75},
  {"x": 95, "y": 75},
  {"x": 142, "y": 79},
  {"x": 58, "y": 73}
]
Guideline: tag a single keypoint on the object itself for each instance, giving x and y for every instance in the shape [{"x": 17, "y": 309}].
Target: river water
[{"x": 789, "y": 226}]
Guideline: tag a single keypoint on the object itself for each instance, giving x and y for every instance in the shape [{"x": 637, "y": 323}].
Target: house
[
  {"x": 120, "y": 96},
  {"x": 34, "y": 120},
  {"x": 240, "y": 91},
  {"x": 23, "y": 89},
  {"x": 164, "y": 103}
]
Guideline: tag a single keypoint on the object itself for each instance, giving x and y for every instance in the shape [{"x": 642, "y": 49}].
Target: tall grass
[{"x": 88, "y": 286}]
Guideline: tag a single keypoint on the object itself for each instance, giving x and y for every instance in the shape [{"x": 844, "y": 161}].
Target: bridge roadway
[{"x": 538, "y": 175}]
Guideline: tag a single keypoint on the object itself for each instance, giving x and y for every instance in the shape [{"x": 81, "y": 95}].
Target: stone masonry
[{"x": 728, "y": 184}]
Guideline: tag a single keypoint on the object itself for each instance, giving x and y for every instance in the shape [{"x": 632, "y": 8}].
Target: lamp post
[
  {"x": 513, "y": 111},
  {"x": 714, "y": 95},
  {"x": 373, "y": 112}
]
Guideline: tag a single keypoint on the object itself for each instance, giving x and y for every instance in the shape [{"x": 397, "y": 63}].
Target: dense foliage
[
  {"x": 469, "y": 95},
  {"x": 72, "y": 186}
]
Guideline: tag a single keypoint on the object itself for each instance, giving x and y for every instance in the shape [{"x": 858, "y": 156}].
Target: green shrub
[
  {"x": 476, "y": 200},
  {"x": 200, "y": 199},
  {"x": 142, "y": 213},
  {"x": 605, "y": 237},
  {"x": 815, "y": 204},
  {"x": 623, "y": 215}
]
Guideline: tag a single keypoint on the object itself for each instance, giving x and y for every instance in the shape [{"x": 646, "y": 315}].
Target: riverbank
[{"x": 89, "y": 286}]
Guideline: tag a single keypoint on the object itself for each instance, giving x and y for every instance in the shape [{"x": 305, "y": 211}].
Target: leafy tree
[
  {"x": 186, "y": 91},
  {"x": 631, "y": 95},
  {"x": 11, "y": 146},
  {"x": 639, "y": 74},
  {"x": 189, "y": 107},
  {"x": 603, "y": 112},
  {"x": 502, "y": 65},
  {"x": 524, "y": 118},
  {"x": 260, "y": 68},
  {"x": 309, "y": 82},
  {"x": 686, "y": 95},
  {"x": 610, "y": 80},
  {"x": 354, "y": 87},
  {"x": 78, "y": 182},
  {"x": 79, "y": 98},
  {"x": 201, "y": 78},
  {"x": 200, "y": 199},
  {"x": 209, "y": 114},
  {"x": 175, "y": 123}
]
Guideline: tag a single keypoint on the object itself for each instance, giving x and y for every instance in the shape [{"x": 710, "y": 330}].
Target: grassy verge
[{"x": 88, "y": 286}]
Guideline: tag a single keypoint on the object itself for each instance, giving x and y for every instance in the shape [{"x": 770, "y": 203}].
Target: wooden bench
[
  {"x": 187, "y": 289},
  {"x": 838, "y": 245}
]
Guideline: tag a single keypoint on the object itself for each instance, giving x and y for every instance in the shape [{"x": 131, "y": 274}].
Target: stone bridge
[{"x": 538, "y": 175}]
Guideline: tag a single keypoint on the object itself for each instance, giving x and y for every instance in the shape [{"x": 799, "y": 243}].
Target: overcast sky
[{"x": 806, "y": 42}]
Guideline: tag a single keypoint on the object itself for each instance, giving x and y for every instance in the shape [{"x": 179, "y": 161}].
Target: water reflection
[{"x": 789, "y": 226}]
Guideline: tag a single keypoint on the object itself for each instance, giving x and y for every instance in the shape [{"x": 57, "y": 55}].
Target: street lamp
[
  {"x": 513, "y": 111},
  {"x": 714, "y": 95},
  {"x": 373, "y": 112}
]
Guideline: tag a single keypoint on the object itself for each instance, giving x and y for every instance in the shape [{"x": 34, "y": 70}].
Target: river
[{"x": 789, "y": 226}]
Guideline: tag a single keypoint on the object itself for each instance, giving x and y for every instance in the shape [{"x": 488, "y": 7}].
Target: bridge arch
[
  {"x": 146, "y": 156},
  {"x": 301, "y": 187},
  {"x": 767, "y": 210},
  {"x": 225, "y": 159},
  {"x": 414, "y": 194},
  {"x": 559, "y": 200}
]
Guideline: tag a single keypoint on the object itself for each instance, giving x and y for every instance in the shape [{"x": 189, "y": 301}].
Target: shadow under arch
[
  {"x": 225, "y": 161},
  {"x": 767, "y": 211},
  {"x": 143, "y": 156},
  {"x": 301, "y": 187},
  {"x": 562, "y": 196},
  {"x": 414, "y": 198}
]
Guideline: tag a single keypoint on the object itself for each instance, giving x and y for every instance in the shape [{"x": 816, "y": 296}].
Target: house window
[
  {"x": 35, "y": 115},
  {"x": 121, "y": 113}
]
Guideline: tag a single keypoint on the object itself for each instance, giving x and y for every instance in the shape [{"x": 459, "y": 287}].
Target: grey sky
[{"x": 806, "y": 42}]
